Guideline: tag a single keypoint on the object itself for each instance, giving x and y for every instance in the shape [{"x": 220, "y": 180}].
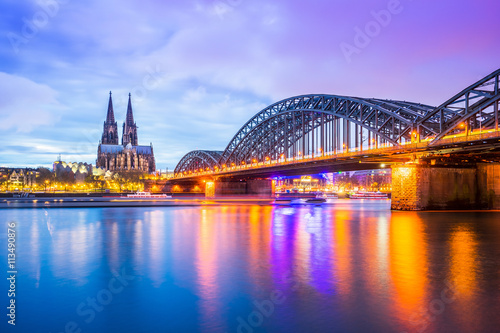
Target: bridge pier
[
  {"x": 175, "y": 186},
  {"x": 488, "y": 177},
  {"x": 427, "y": 187},
  {"x": 253, "y": 187}
]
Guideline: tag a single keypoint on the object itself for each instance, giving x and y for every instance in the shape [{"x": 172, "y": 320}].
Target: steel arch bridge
[
  {"x": 199, "y": 160},
  {"x": 308, "y": 126}
]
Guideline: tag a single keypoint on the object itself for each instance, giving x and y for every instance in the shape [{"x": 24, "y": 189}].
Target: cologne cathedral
[{"x": 127, "y": 156}]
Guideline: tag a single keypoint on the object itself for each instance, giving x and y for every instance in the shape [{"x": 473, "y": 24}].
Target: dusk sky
[{"x": 198, "y": 70}]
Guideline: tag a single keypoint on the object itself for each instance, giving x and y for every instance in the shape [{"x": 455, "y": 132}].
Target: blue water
[{"x": 346, "y": 267}]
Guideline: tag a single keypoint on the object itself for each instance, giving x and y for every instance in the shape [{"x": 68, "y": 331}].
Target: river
[{"x": 351, "y": 266}]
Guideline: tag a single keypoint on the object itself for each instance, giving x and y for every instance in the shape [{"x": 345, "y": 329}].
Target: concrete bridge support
[
  {"x": 174, "y": 186},
  {"x": 426, "y": 187},
  {"x": 421, "y": 187},
  {"x": 211, "y": 188},
  {"x": 488, "y": 177},
  {"x": 252, "y": 187}
]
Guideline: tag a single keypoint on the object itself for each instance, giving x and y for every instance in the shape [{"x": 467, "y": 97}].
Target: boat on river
[
  {"x": 327, "y": 196},
  {"x": 148, "y": 195},
  {"x": 369, "y": 195}
]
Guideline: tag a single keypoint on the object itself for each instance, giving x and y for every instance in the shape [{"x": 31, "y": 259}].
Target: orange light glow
[
  {"x": 209, "y": 189},
  {"x": 408, "y": 262},
  {"x": 463, "y": 250}
]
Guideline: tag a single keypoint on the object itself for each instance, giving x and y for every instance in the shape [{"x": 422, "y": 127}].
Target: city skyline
[{"x": 198, "y": 70}]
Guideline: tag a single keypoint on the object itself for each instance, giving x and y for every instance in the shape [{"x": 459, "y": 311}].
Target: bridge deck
[{"x": 479, "y": 142}]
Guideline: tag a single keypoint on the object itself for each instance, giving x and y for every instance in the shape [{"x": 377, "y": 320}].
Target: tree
[
  {"x": 95, "y": 181},
  {"x": 43, "y": 175},
  {"x": 66, "y": 177},
  {"x": 129, "y": 178}
]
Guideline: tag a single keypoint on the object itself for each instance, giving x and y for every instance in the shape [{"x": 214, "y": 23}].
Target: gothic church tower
[
  {"x": 110, "y": 131},
  {"x": 128, "y": 156},
  {"x": 129, "y": 127}
]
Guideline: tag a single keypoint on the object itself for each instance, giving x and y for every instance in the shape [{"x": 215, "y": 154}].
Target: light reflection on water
[{"x": 349, "y": 267}]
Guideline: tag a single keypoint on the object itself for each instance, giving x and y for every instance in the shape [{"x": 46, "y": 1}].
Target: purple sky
[{"x": 198, "y": 70}]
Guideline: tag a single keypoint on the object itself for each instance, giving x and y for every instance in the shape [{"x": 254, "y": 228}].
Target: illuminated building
[
  {"x": 128, "y": 155},
  {"x": 78, "y": 170}
]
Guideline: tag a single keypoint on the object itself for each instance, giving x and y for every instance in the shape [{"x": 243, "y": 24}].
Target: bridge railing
[
  {"x": 452, "y": 139},
  {"x": 295, "y": 160},
  {"x": 480, "y": 135}
]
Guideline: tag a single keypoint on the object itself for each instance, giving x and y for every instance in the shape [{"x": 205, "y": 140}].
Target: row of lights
[
  {"x": 299, "y": 154},
  {"x": 254, "y": 161}
]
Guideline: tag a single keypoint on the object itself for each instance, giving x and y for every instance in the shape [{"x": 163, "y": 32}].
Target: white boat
[
  {"x": 369, "y": 195},
  {"x": 316, "y": 200},
  {"x": 327, "y": 196},
  {"x": 147, "y": 195},
  {"x": 282, "y": 201}
]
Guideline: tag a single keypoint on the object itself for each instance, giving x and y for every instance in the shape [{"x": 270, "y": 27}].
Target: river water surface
[{"x": 352, "y": 266}]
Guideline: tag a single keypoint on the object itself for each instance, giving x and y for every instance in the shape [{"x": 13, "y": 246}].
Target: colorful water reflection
[{"x": 349, "y": 267}]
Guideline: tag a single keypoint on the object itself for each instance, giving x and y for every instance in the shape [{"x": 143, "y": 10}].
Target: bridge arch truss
[
  {"x": 197, "y": 161},
  {"x": 318, "y": 125},
  {"x": 312, "y": 125},
  {"x": 474, "y": 108}
]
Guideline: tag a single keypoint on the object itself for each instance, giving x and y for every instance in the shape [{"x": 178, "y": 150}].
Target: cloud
[
  {"x": 218, "y": 62},
  {"x": 25, "y": 104},
  {"x": 195, "y": 94}
]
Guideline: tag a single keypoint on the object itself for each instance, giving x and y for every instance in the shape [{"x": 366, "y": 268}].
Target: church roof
[
  {"x": 113, "y": 149},
  {"x": 146, "y": 150}
]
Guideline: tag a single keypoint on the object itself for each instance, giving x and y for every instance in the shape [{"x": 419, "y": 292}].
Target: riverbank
[{"x": 118, "y": 201}]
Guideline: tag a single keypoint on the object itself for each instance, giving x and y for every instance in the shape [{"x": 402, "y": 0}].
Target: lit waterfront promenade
[{"x": 94, "y": 202}]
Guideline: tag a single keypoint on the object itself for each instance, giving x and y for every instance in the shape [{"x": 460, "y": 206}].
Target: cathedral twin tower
[{"x": 127, "y": 156}]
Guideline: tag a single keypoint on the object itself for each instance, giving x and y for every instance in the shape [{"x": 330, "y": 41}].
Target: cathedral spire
[
  {"x": 110, "y": 118},
  {"x": 130, "y": 115},
  {"x": 129, "y": 127},
  {"x": 110, "y": 130}
]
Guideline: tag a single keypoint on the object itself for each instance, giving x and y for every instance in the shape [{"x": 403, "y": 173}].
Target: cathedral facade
[{"x": 129, "y": 155}]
